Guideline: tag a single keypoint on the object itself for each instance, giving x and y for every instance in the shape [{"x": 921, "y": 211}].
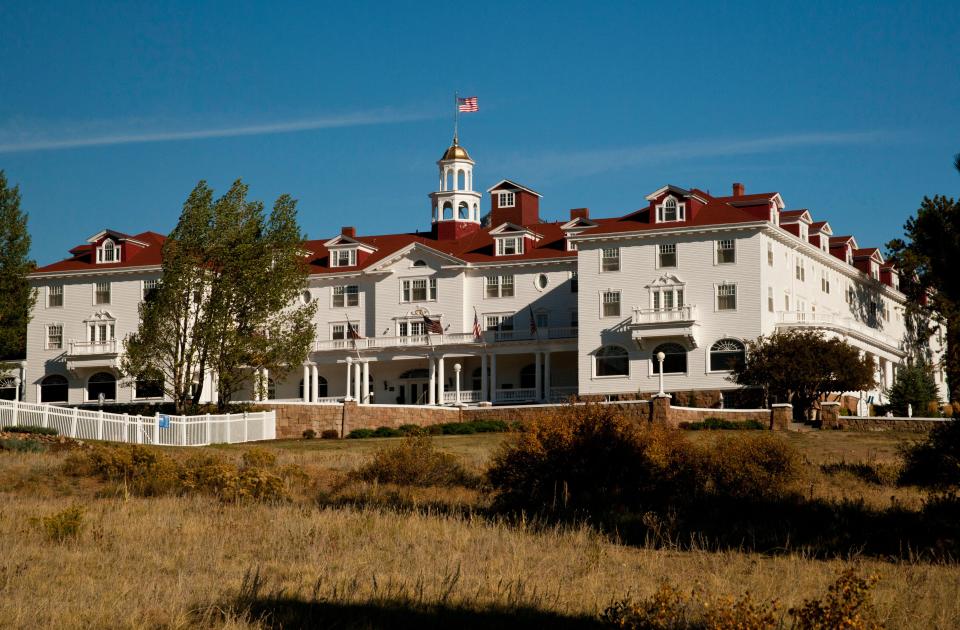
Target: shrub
[
  {"x": 330, "y": 434},
  {"x": 754, "y": 466},
  {"x": 258, "y": 458},
  {"x": 65, "y": 525},
  {"x": 490, "y": 426},
  {"x": 22, "y": 446},
  {"x": 412, "y": 429},
  {"x": 846, "y": 605},
  {"x": 721, "y": 424},
  {"x": 309, "y": 434},
  {"x": 458, "y": 428},
  {"x": 383, "y": 432},
  {"x": 145, "y": 471},
  {"x": 935, "y": 461},
  {"x": 414, "y": 462},
  {"x": 360, "y": 433},
  {"x": 32, "y": 429},
  {"x": 875, "y": 473}
]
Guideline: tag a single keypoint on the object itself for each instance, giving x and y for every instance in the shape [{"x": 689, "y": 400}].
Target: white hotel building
[{"x": 688, "y": 274}]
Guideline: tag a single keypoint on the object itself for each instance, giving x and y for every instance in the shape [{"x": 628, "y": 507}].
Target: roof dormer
[
  {"x": 797, "y": 222},
  {"x": 820, "y": 233},
  {"x": 112, "y": 247},
  {"x": 512, "y": 203},
  {"x": 868, "y": 260},
  {"x": 890, "y": 276},
  {"x": 842, "y": 247},
  {"x": 579, "y": 221},
  {"x": 510, "y": 239},
  {"x": 672, "y": 204},
  {"x": 346, "y": 251}
]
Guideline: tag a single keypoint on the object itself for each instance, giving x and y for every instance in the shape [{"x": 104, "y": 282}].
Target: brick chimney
[
  {"x": 579, "y": 213},
  {"x": 738, "y": 189},
  {"x": 349, "y": 231}
]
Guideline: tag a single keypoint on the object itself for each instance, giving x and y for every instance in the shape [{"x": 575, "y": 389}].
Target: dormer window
[
  {"x": 109, "y": 252},
  {"x": 510, "y": 246},
  {"x": 506, "y": 199},
  {"x": 803, "y": 231},
  {"x": 343, "y": 258},
  {"x": 670, "y": 211}
]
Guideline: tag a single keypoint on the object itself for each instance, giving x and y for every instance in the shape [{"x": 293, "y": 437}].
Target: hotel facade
[{"x": 507, "y": 308}]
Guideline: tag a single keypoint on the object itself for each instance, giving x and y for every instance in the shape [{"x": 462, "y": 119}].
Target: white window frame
[
  {"x": 405, "y": 327},
  {"x": 675, "y": 294},
  {"x": 771, "y": 306},
  {"x": 143, "y": 287},
  {"x": 604, "y": 259},
  {"x": 680, "y": 207},
  {"x": 46, "y": 343},
  {"x": 506, "y": 199},
  {"x": 344, "y": 295},
  {"x": 97, "y": 292},
  {"x": 604, "y": 302},
  {"x": 499, "y": 281},
  {"x": 593, "y": 364},
  {"x": 719, "y": 245},
  {"x": 494, "y": 322},
  {"x": 516, "y": 242},
  {"x": 51, "y": 294},
  {"x": 407, "y": 288},
  {"x": 351, "y": 254},
  {"x": 114, "y": 248},
  {"x": 660, "y": 253},
  {"x": 825, "y": 282},
  {"x": 716, "y": 298},
  {"x": 770, "y": 254}
]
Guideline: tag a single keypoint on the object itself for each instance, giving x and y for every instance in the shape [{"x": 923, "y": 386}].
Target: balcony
[
  {"x": 446, "y": 339},
  {"x": 657, "y": 323},
  {"x": 92, "y": 354},
  {"x": 844, "y": 325}
]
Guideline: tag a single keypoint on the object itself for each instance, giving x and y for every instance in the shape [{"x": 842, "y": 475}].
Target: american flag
[
  {"x": 477, "y": 332},
  {"x": 433, "y": 326},
  {"x": 353, "y": 331},
  {"x": 533, "y": 322},
  {"x": 468, "y": 104}
]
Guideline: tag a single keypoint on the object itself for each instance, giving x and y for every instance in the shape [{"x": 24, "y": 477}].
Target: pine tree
[
  {"x": 915, "y": 387},
  {"x": 16, "y": 296}
]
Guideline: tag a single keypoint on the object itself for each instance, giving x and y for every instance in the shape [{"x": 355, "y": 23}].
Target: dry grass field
[{"x": 372, "y": 554}]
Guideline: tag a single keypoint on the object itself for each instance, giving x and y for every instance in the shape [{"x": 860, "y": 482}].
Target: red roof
[{"x": 83, "y": 256}]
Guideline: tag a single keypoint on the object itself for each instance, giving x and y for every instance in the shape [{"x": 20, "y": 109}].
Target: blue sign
[{"x": 164, "y": 422}]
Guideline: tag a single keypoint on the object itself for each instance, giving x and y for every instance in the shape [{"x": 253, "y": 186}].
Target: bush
[
  {"x": 22, "y": 446},
  {"x": 144, "y": 471},
  {"x": 458, "y": 428},
  {"x": 412, "y": 429},
  {"x": 360, "y": 434},
  {"x": 721, "y": 424},
  {"x": 65, "y": 525},
  {"x": 757, "y": 466},
  {"x": 309, "y": 434},
  {"x": 258, "y": 458},
  {"x": 330, "y": 434},
  {"x": 934, "y": 462},
  {"x": 875, "y": 473},
  {"x": 382, "y": 432},
  {"x": 414, "y": 462},
  {"x": 31, "y": 429},
  {"x": 846, "y": 605}
]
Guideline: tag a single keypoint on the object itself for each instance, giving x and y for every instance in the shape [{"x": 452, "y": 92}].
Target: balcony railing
[
  {"x": 839, "y": 323},
  {"x": 91, "y": 348},
  {"x": 445, "y": 339},
  {"x": 466, "y": 396},
  {"x": 643, "y": 316},
  {"x": 516, "y": 395}
]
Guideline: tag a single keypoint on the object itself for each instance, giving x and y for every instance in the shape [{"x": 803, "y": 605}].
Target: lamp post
[
  {"x": 456, "y": 370},
  {"x": 660, "y": 357}
]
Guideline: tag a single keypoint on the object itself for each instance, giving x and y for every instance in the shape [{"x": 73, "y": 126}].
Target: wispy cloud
[
  {"x": 591, "y": 162},
  {"x": 23, "y": 141}
]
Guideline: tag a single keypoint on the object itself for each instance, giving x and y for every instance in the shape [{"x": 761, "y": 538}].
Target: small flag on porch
[
  {"x": 477, "y": 332},
  {"x": 468, "y": 104},
  {"x": 433, "y": 326},
  {"x": 533, "y": 321},
  {"x": 353, "y": 331}
]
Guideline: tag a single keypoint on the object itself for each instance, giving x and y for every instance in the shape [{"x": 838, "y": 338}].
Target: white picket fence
[{"x": 159, "y": 429}]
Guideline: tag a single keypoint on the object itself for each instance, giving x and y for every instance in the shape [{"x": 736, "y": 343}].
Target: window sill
[{"x": 607, "y": 378}]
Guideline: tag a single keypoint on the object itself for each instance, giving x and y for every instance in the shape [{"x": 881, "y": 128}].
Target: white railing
[
  {"x": 445, "y": 339},
  {"x": 159, "y": 429},
  {"x": 839, "y": 323},
  {"x": 664, "y": 315},
  {"x": 466, "y": 396},
  {"x": 562, "y": 394},
  {"x": 516, "y": 395},
  {"x": 81, "y": 348}
]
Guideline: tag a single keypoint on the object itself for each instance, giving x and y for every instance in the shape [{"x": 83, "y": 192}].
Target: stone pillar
[
  {"x": 830, "y": 415},
  {"x": 493, "y": 377},
  {"x": 356, "y": 382},
  {"x": 660, "y": 408},
  {"x": 349, "y": 395},
  {"x": 441, "y": 381},
  {"x": 366, "y": 383},
  {"x": 306, "y": 384},
  {"x": 538, "y": 382},
  {"x": 781, "y": 415},
  {"x": 432, "y": 397},
  {"x": 546, "y": 376},
  {"x": 315, "y": 383},
  {"x": 484, "y": 385}
]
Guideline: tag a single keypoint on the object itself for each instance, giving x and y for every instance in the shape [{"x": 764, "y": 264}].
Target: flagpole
[{"x": 456, "y": 115}]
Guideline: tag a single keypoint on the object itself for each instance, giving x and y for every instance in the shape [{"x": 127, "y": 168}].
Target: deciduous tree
[{"x": 16, "y": 296}]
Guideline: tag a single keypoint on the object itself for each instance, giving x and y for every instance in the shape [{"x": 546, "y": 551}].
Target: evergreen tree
[
  {"x": 16, "y": 296},
  {"x": 914, "y": 386}
]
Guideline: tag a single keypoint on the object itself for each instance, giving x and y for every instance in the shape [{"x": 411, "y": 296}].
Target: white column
[
  {"x": 483, "y": 376},
  {"x": 356, "y": 382},
  {"x": 16, "y": 383},
  {"x": 432, "y": 397},
  {"x": 306, "y": 384},
  {"x": 538, "y": 385},
  {"x": 441, "y": 381},
  {"x": 314, "y": 383},
  {"x": 349, "y": 395},
  {"x": 888, "y": 373},
  {"x": 366, "y": 383},
  {"x": 493, "y": 377},
  {"x": 546, "y": 376}
]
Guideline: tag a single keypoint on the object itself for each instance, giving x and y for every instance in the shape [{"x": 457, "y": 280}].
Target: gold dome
[{"x": 456, "y": 152}]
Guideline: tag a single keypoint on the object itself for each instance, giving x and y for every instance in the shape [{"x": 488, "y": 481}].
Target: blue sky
[{"x": 110, "y": 114}]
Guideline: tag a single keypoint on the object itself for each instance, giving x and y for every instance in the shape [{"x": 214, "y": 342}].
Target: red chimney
[
  {"x": 580, "y": 213},
  {"x": 738, "y": 189},
  {"x": 349, "y": 230}
]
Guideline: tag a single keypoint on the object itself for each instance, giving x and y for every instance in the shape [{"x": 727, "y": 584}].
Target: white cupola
[{"x": 456, "y": 206}]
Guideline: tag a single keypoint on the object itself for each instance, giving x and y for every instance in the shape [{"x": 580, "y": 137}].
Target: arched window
[
  {"x": 8, "y": 389},
  {"x": 464, "y": 211},
  {"x": 54, "y": 388},
  {"x": 727, "y": 355},
  {"x": 449, "y": 179},
  {"x": 612, "y": 361},
  {"x": 147, "y": 387},
  {"x": 476, "y": 213},
  {"x": 528, "y": 376},
  {"x": 675, "y": 361},
  {"x": 420, "y": 263},
  {"x": 102, "y": 383},
  {"x": 461, "y": 180},
  {"x": 447, "y": 211}
]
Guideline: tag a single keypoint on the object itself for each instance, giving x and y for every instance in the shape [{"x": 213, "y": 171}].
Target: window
[
  {"x": 670, "y": 210},
  {"x": 528, "y": 376},
  {"x": 667, "y": 298},
  {"x": 101, "y": 293},
  {"x": 667, "y": 255},
  {"x": 770, "y": 299},
  {"x": 726, "y": 297},
  {"x": 343, "y": 258},
  {"x": 786, "y": 301},
  {"x": 674, "y": 360},
  {"x": 108, "y": 252},
  {"x": 800, "y": 271},
  {"x": 419, "y": 263},
  {"x": 610, "y": 259},
  {"x": 146, "y": 387},
  {"x": 727, "y": 355},
  {"x": 8, "y": 389},
  {"x": 542, "y": 281},
  {"x": 54, "y": 336},
  {"x": 510, "y": 246},
  {"x": 505, "y": 199},
  {"x": 305, "y": 297},
  {"x": 338, "y": 331},
  {"x": 55, "y": 296},
  {"x": 825, "y": 282},
  {"x": 574, "y": 284},
  {"x": 348, "y": 295},
  {"x": 499, "y": 286},
  {"x": 571, "y": 246},
  {"x": 412, "y": 328},
  {"x": 53, "y": 389},
  {"x": 726, "y": 251},
  {"x": 543, "y": 320},
  {"x": 770, "y": 254},
  {"x": 612, "y": 361},
  {"x": 499, "y": 323},
  {"x": 150, "y": 288},
  {"x": 419, "y": 290},
  {"x": 102, "y": 383},
  {"x": 321, "y": 388},
  {"x": 611, "y": 304}
]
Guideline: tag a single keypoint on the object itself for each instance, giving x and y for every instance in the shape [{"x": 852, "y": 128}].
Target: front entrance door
[{"x": 417, "y": 392}]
